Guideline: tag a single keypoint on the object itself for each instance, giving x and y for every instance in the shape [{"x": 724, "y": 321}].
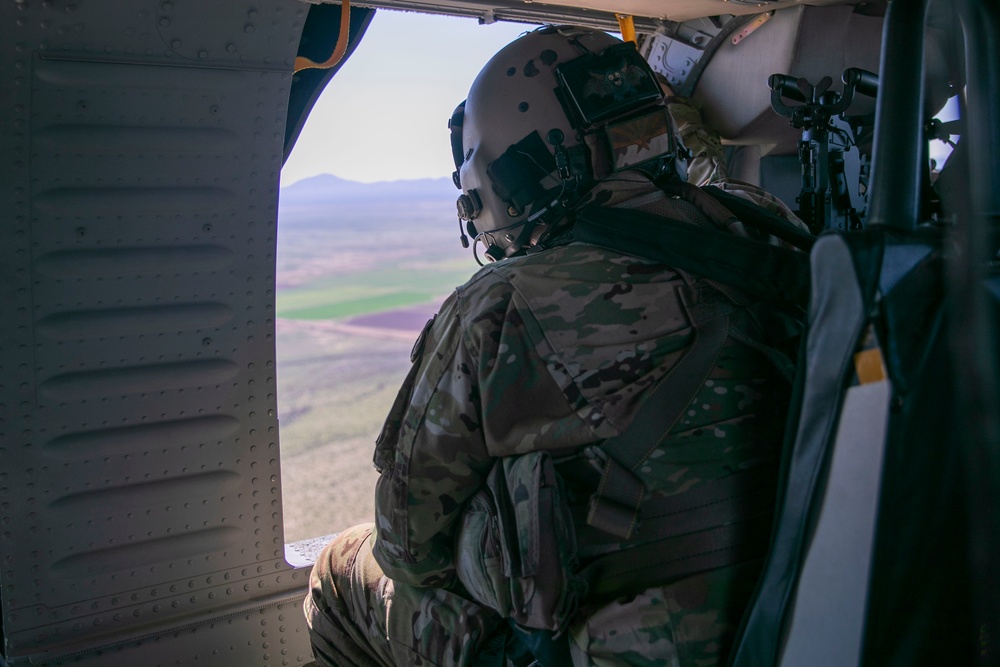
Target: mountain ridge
[{"x": 330, "y": 188}]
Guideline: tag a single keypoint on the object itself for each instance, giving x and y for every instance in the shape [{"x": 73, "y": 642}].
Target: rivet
[{"x": 176, "y": 44}]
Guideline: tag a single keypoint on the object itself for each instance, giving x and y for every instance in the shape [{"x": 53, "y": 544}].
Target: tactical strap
[
  {"x": 716, "y": 524},
  {"x": 723, "y": 501},
  {"x": 614, "y": 507},
  {"x": 657, "y": 563},
  {"x": 725, "y": 521},
  {"x": 776, "y": 275}
]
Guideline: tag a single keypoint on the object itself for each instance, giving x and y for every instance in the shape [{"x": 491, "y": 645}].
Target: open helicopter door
[
  {"x": 885, "y": 541},
  {"x": 140, "y": 497}
]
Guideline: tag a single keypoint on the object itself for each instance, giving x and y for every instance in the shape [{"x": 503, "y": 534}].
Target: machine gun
[{"x": 834, "y": 173}]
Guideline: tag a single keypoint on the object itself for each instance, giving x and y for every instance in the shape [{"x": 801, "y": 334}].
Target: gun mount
[{"x": 834, "y": 172}]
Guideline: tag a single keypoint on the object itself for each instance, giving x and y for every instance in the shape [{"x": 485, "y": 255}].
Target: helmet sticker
[
  {"x": 639, "y": 139},
  {"x": 608, "y": 84},
  {"x": 620, "y": 82}
]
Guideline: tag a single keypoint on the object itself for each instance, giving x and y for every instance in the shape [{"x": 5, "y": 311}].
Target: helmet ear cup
[{"x": 469, "y": 205}]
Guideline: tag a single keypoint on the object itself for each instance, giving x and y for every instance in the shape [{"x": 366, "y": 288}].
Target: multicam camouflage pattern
[
  {"x": 708, "y": 162},
  {"x": 516, "y": 547},
  {"x": 353, "y": 610},
  {"x": 684, "y": 624},
  {"x": 550, "y": 351},
  {"x": 760, "y": 197}
]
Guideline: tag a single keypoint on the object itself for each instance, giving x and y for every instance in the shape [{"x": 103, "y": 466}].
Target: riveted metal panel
[
  {"x": 271, "y": 633},
  {"x": 139, "y": 481}
]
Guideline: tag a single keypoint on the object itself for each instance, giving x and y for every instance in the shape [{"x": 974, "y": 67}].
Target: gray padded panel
[
  {"x": 140, "y": 488},
  {"x": 827, "y": 629}
]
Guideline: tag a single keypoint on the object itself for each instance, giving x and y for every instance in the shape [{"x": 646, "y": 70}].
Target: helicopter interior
[{"x": 140, "y": 493}]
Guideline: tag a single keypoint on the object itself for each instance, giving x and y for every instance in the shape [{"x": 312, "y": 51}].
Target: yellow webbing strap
[
  {"x": 343, "y": 38},
  {"x": 627, "y": 27}
]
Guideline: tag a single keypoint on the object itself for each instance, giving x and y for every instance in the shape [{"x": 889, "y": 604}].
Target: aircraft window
[
  {"x": 365, "y": 257},
  {"x": 355, "y": 286},
  {"x": 941, "y": 148}
]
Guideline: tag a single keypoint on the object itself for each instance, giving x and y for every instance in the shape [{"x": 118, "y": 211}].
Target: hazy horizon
[{"x": 306, "y": 179}]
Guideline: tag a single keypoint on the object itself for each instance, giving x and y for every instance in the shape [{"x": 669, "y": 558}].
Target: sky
[{"x": 384, "y": 116}]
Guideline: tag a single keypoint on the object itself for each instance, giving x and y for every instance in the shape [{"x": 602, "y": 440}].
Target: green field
[
  {"x": 335, "y": 386},
  {"x": 364, "y": 293}
]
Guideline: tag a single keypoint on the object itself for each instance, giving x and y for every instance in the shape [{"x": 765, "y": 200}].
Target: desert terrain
[{"x": 360, "y": 269}]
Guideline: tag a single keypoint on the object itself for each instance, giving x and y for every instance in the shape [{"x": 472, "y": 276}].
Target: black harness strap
[
  {"x": 661, "y": 562},
  {"x": 724, "y": 521},
  {"x": 773, "y": 274},
  {"x": 721, "y": 501},
  {"x": 614, "y": 507},
  {"x": 719, "y": 523}
]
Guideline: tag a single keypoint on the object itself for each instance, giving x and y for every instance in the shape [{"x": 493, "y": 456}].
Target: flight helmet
[{"x": 549, "y": 116}]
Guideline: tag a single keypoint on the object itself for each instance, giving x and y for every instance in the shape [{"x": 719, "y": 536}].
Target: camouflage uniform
[
  {"x": 549, "y": 351},
  {"x": 708, "y": 161}
]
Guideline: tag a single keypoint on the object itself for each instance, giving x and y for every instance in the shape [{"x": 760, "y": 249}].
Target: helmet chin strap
[{"x": 526, "y": 238}]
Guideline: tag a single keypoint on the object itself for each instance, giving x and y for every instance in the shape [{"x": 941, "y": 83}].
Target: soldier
[{"x": 499, "y": 512}]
